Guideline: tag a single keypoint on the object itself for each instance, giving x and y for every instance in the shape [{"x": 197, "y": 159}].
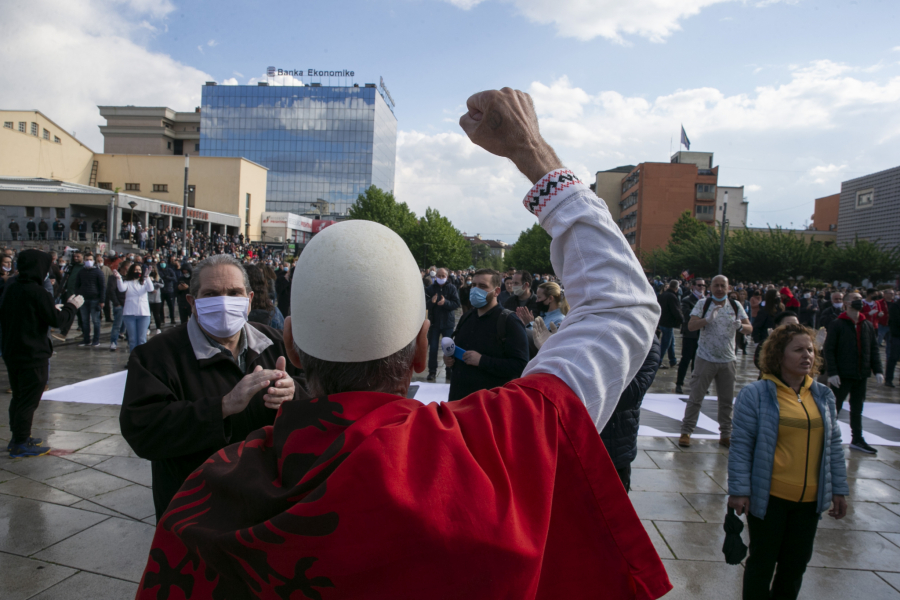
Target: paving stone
[
  {"x": 864, "y": 550},
  {"x": 702, "y": 446},
  {"x": 137, "y": 470},
  {"x": 106, "y": 410},
  {"x": 6, "y": 476},
  {"x": 712, "y": 507},
  {"x": 658, "y": 543},
  {"x": 894, "y": 507},
  {"x": 894, "y": 483},
  {"x": 69, "y": 440},
  {"x": 22, "y": 578},
  {"x": 87, "y": 483},
  {"x": 65, "y": 422},
  {"x": 96, "y": 508},
  {"x": 870, "y": 490},
  {"x": 655, "y": 443},
  {"x": 136, "y": 501},
  {"x": 696, "y": 461},
  {"x": 663, "y": 506},
  {"x": 110, "y": 425},
  {"x": 88, "y": 460},
  {"x": 114, "y": 445},
  {"x": 696, "y": 541},
  {"x": 642, "y": 461},
  {"x": 72, "y": 408},
  {"x": 29, "y": 525},
  {"x": 22, "y": 487},
  {"x": 150, "y": 520},
  {"x": 844, "y": 584},
  {"x": 893, "y": 579},
  {"x": 649, "y": 480},
  {"x": 41, "y": 468},
  {"x": 864, "y": 516},
  {"x": 92, "y": 551},
  {"x": 87, "y": 586},
  {"x": 701, "y": 580},
  {"x": 871, "y": 469}
]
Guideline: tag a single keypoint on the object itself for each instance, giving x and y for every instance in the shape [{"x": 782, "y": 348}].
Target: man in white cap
[{"x": 362, "y": 493}]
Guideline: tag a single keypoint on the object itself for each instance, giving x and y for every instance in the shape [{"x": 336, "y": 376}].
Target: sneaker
[
  {"x": 431, "y": 378},
  {"x": 889, "y": 384},
  {"x": 684, "y": 441},
  {"x": 95, "y": 345},
  {"x": 158, "y": 331},
  {"x": 673, "y": 364},
  {"x": 113, "y": 347},
  {"x": 26, "y": 449},
  {"x": 35, "y": 441},
  {"x": 862, "y": 446},
  {"x": 663, "y": 366},
  {"x": 725, "y": 441},
  {"x": 58, "y": 337},
  {"x": 84, "y": 345},
  {"x": 678, "y": 389}
]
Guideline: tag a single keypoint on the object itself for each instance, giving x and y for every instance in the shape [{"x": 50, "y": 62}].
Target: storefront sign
[{"x": 274, "y": 72}]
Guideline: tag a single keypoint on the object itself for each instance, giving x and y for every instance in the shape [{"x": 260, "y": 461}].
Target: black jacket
[
  {"x": 828, "y": 315},
  {"x": 514, "y": 302},
  {"x": 442, "y": 316},
  {"x": 181, "y": 295},
  {"x": 28, "y": 311},
  {"x": 91, "y": 283},
  {"x": 687, "y": 305},
  {"x": 764, "y": 322},
  {"x": 169, "y": 278},
  {"x": 620, "y": 433},
  {"x": 894, "y": 318},
  {"x": 172, "y": 409},
  {"x": 283, "y": 292},
  {"x": 671, "y": 315},
  {"x": 500, "y": 362},
  {"x": 113, "y": 296},
  {"x": 849, "y": 356}
]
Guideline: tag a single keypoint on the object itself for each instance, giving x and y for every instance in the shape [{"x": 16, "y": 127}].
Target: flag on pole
[{"x": 684, "y": 139}]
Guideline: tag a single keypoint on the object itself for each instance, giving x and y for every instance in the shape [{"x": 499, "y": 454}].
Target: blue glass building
[{"x": 319, "y": 143}]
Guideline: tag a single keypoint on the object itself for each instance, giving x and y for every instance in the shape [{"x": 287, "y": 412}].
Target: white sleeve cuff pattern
[{"x": 546, "y": 193}]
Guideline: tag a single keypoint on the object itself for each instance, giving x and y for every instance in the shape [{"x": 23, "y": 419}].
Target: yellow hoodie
[{"x": 798, "y": 452}]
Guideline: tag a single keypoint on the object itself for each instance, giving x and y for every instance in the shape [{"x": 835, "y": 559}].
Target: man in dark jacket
[
  {"x": 621, "y": 431},
  {"x": 58, "y": 229},
  {"x": 26, "y": 315},
  {"x": 90, "y": 283},
  {"x": 851, "y": 355},
  {"x": 689, "y": 339},
  {"x": 43, "y": 228},
  {"x": 31, "y": 228},
  {"x": 169, "y": 273},
  {"x": 521, "y": 294},
  {"x": 182, "y": 289},
  {"x": 832, "y": 310},
  {"x": 283, "y": 290},
  {"x": 116, "y": 300},
  {"x": 669, "y": 318},
  {"x": 204, "y": 385},
  {"x": 13, "y": 229},
  {"x": 441, "y": 302}
]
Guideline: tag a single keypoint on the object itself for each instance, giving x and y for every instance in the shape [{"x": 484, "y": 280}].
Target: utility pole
[
  {"x": 184, "y": 225},
  {"x": 722, "y": 237}
]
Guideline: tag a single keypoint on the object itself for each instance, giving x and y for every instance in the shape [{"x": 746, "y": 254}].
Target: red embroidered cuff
[{"x": 548, "y": 189}]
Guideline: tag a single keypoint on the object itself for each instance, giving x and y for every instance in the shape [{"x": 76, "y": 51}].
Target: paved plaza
[{"x": 78, "y": 524}]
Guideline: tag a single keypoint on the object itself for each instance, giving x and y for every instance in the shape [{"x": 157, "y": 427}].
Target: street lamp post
[
  {"x": 184, "y": 222},
  {"x": 722, "y": 236},
  {"x": 132, "y": 204}
]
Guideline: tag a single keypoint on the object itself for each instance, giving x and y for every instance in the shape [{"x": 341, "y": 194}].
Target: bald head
[{"x": 718, "y": 287}]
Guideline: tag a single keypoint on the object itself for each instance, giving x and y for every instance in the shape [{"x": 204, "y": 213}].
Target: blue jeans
[
  {"x": 667, "y": 344},
  {"x": 90, "y": 313},
  {"x": 117, "y": 325},
  {"x": 435, "y": 335},
  {"x": 136, "y": 328},
  {"x": 883, "y": 332}
]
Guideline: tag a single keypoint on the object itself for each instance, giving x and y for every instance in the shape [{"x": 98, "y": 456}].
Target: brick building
[
  {"x": 870, "y": 209},
  {"x": 825, "y": 217}
]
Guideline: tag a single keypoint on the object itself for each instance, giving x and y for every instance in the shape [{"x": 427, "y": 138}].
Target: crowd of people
[{"x": 286, "y": 455}]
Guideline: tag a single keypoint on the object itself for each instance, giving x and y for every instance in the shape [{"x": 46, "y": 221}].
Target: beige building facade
[
  {"x": 608, "y": 187},
  {"x": 31, "y": 145},
  {"x": 150, "y": 130}
]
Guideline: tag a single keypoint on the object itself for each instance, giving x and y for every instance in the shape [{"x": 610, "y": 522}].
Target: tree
[
  {"x": 381, "y": 207},
  {"x": 435, "y": 241},
  {"x": 531, "y": 251},
  {"x": 484, "y": 258},
  {"x": 685, "y": 229},
  {"x": 863, "y": 260}
]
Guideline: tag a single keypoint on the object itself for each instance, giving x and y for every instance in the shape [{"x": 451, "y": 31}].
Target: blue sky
[{"x": 792, "y": 96}]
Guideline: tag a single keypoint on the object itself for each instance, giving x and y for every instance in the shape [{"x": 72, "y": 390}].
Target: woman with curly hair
[{"x": 786, "y": 462}]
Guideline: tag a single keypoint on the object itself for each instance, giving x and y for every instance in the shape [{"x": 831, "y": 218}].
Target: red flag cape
[{"x": 508, "y": 493}]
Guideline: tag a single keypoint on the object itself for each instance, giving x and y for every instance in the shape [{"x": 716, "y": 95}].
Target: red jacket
[
  {"x": 508, "y": 493},
  {"x": 788, "y": 298}
]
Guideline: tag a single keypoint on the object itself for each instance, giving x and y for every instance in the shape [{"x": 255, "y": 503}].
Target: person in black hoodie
[
  {"x": 670, "y": 317},
  {"x": 621, "y": 431},
  {"x": 283, "y": 290},
  {"x": 26, "y": 315},
  {"x": 181, "y": 291},
  {"x": 90, "y": 283}
]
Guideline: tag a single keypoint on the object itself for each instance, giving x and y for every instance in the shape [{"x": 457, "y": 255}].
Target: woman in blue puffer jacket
[{"x": 786, "y": 463}]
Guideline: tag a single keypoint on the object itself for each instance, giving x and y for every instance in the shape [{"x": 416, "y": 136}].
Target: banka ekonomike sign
[{"x": 274, "y": 72}]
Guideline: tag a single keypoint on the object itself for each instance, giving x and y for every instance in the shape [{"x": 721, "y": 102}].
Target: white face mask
[
  {"x": 88, "y": 264},
  {"x": 441, "y": 280},
  {"x": 222, "y": 316}
]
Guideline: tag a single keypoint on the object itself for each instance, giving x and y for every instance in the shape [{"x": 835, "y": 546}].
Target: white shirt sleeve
[
  {"x": 120, "y": 285},
  {"x": 613, "y": 312}
]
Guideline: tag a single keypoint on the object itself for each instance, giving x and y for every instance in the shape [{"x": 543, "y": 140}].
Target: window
[
  {"x": 8, "y": 124},
  {"x": 132, "y": 187},
  {"x": 191, "y": 191},
  {"x": 29, "y": 211},
  {"x": 160, "y": 187},
  {"x": 46, "y": 135},
  {"x": 34, "y": 129},
  {"x": 705, "y": 188},
  {"x": 60, "y": 213},
  {"x": 865, "y": 198},
  {"x": 197, "y": 146},
  {"x": 105, "y": 185},
  {"x": 22, "y": 126},
  {"x": 706, "y": 213},
  {"x": 56, "y": 140},
  {"x": 168, "y": 145}
]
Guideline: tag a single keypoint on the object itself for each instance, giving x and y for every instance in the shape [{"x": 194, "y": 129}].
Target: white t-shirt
[{"x": 716, "y": 342}]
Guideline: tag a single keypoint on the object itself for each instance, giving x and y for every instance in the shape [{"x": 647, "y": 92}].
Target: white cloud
[
  {"x": 753, "y": 188},
  {"x": 277, "y": 80},
  {"x": 237, "y": 74},
  {"x": 200, "y": 48},
  {"x": 826, "y": 173},
  {"x": 612, "y": 19},
  {"x": 230, "y": 81},
  {"x": 66, "y": 58},
  {"x": 212, "y": 43}
]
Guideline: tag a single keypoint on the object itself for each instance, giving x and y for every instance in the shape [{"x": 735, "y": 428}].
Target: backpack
[
  {"x": 732, "y": 301},
  {"x": 501, "y": 323}
]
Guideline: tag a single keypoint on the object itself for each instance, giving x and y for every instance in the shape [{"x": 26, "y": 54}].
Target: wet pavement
[{"x": 78, "y": 524}]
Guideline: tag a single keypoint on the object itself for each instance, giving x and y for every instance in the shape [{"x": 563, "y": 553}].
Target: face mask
[
  {"x": 88, "y": 264},
  {"x": 856, "y": 305},
  {"x": 222, "y": 316},
  {"x": 432, "y": 273},
  {"x": 162, "y": 265},
  {"x": 478, "y": 297},
  {"x": 469, "y": 282},
  {"x": 838, "y": 305},
  {"x": 517, "y": 290},
  {"x": 7, "y": 269},
  {"x": 441, "y": 280},
  {"x": 717, "y": 299}
]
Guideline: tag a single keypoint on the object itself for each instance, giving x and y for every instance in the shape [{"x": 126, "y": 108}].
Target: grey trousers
[{"x": 705, "y": 373}]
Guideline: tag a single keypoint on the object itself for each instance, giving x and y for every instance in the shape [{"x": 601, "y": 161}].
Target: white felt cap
[{"x": 356, "y": 294}]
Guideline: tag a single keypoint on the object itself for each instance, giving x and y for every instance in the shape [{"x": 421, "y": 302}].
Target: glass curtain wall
[{"x": 319, "y": 143}]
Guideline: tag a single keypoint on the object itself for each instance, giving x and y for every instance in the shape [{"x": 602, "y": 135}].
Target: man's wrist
[{"x": 536, "y": 160}]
